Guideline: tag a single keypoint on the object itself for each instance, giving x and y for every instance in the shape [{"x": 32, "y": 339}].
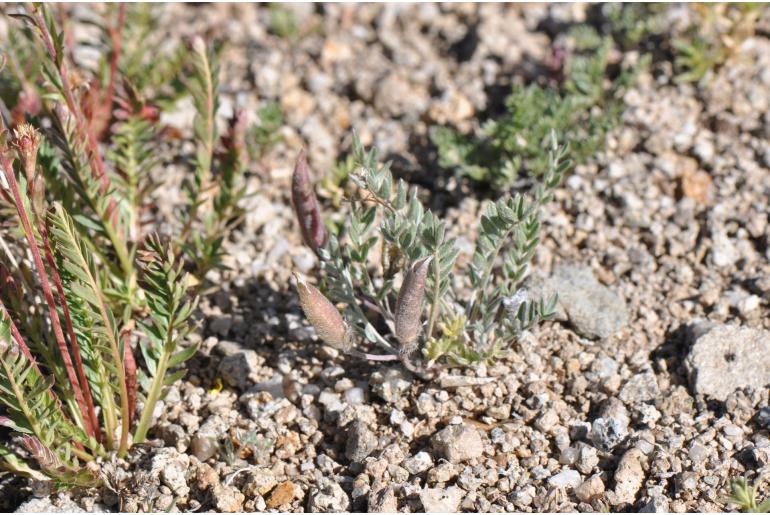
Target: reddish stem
[
  {"x": 84, "y": 132},
  {"x": 25, "y": 350},
  {"x": 94, "y": 157},
  {"x": 17, "y": 337},
  {"x": 115, "y": 36},
  {"x": 47, "y": 293},
  {"x": 90, "y": 413}
]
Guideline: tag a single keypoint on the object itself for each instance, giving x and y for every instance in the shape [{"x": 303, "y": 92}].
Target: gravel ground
[{"x": 648, "y": 393}]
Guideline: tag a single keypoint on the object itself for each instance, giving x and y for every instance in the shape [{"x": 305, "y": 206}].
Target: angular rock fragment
[{"x": 727, "y": 358}]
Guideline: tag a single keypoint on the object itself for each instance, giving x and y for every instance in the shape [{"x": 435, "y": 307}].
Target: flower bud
[
  {"x": 26, "y": 141},
  {"x": 323, "y": 316},
  {"x": 409, "y": 305},
  {"x": 306, "y": 206}
]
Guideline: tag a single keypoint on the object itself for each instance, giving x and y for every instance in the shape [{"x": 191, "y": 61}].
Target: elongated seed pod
[
  {"x": 409, "y": 305},
  {"x": 306, "y": 206},
  {"x": 44, "y": 456},
  {"x": 323, "y": 316}
]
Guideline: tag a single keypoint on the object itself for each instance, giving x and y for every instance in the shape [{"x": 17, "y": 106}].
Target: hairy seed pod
[
  {"x": 44, "y": 456},
  {"x": 306, "y": 206},
  {"x": 323, "y": 316},
  {"x": 409, "y": 305}
]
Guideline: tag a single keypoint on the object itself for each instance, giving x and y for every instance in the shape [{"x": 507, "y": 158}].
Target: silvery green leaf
[{"x": 370, "y": 333}]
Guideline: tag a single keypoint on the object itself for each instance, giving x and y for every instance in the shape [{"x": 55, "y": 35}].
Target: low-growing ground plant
[
  {"x": 716, "y": 34},
  {"x": 744, "y": 495},
  {"x": 471, "y": 318},
  {"x": 582, "y": 106},
  {"x": 94, "y": 309}
]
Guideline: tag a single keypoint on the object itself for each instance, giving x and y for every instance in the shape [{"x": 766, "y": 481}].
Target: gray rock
[
  {"x": 763, "y": 416},
  {"x": 658, "y": 504},
  {"x": 174, "y": 435},
  {"x": 569, "y": 455},
  {"x": 629, "y": 476},
  {"x": 171, "y": 467},
  {"x": 390, "y": 384},
  {"x": 227, "y": 499},
  {"x": 328, "y": 496},
  {"x": 259, "y": 482},
  {"x": 587, "y": 459},
  {"x": 458, "y": 443},
  {"x": 567, "y": 478},
  {"x": 383, "y": 501},
  {"x": 355, "y": 395},
  {"x": 418, "y": 463},
  {"x": 441, "y": 500},
  {"x": 593, "y": 309},
  {"x": 640, "y": 388},
  {"x": 61, "y": 503},
  {"x": 240, "y": 369},
  {"x": 611, "y": 428},
  {"x": 727, "y": 358},
  {"x": 361, "y": 442},
  {"x": 204, "y": 444}
]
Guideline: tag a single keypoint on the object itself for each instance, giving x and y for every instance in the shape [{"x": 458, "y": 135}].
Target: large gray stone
[
  {"x": 726, "y": 358},
  {"x": 594, "y": 310},
  {"x": 458, "y": 443},
  {"x": 361, "y": 442},
  {"x": 441, "y": 500},
  {"x": 328, "y": 496}
]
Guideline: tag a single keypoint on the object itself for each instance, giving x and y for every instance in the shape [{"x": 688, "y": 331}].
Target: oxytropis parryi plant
[
  {"x": 409, "y": 296},
  {"x": 93, "y": 309}
]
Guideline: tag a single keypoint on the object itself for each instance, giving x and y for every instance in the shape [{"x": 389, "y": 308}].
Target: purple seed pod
[
  {"x": 44, "y": 456},
  {"x": 409, "y": 305},
  {"x": 323, "y": 316},
  {"x": 306, "y": 206}
]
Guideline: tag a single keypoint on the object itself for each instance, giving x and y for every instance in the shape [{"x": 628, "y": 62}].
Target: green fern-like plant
[
  {"x": 94, "y": 308},
  {"x": 582, "y": 109},
  {"x": 418, "y": 267},
  {"x": 744, "y": 495},
  {"x": 216, "y": 189}
]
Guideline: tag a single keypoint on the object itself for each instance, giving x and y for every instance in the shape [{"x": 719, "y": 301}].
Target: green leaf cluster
[
  {"x": 388, "y": 219},
  {"x": 113, "y": 289},
  {"x": 582, "y": 110}
]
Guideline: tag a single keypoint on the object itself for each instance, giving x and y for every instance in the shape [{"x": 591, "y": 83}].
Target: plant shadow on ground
[
  {"x": 269, "y": 321},
  {"x": 12, "y": 491}
]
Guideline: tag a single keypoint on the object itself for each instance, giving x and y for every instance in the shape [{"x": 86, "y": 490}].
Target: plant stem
[
  {"x": 208, "y": 147},
  {"x": 109, "y": 324},
  {"x": 94, "y": 156},
  {"x": 44, "y": 283},
  {"x": 487, "y": 274},
  {"x": 152, "y": 397},
  {"x": 373, "y": 357},
  {"x": 434, "y": 306},
  {"x": 90, "y": 422}
]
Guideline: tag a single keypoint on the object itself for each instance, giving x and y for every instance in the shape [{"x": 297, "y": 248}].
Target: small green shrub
[
  {"x": 716, "y": 34},
  {"x": 744, "y": 496},
  {"x": 416, "y": 264},
  {"x": 283, "y": 23},
  {"x": 84, "y": 285},
  {"x": 582, "y": 110},
  {"x": 265, "y": 132}
]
